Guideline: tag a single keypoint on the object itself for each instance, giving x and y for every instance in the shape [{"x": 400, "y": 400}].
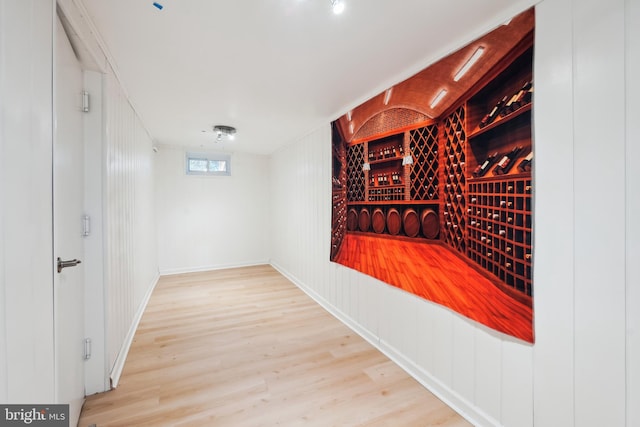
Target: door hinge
[
  {"x": 87, "y": 348},
  {"x": 85, "y": 101},
  {"x": 86, "y": 225}
]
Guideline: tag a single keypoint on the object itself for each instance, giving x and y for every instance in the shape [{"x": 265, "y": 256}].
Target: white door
[{"x": 68, "y": 196}]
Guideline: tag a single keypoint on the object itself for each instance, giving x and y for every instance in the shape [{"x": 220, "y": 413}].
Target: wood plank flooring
[
  {"x": 434, "y": 272},
  {"x": 245, "y": 347}
]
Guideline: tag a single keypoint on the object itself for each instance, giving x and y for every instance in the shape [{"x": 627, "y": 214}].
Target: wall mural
[{"x": 432, "y": 183}]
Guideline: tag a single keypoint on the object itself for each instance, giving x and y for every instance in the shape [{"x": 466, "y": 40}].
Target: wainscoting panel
[{"x": 130, "y": 250}]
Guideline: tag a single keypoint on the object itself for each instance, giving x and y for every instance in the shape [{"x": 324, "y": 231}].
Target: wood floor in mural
[{"x": 435, "y": 272}]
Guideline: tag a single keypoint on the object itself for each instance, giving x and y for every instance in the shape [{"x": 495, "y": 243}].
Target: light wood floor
[{"x": 245, "y": 347}]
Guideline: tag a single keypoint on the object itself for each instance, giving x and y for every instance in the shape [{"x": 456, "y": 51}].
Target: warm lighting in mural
[
  {"x": 387, "y": 96},
  {"x": 438, "y": 98},
  {"x": 470, "y": 62}
]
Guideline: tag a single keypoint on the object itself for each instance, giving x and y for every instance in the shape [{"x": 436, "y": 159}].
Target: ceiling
[{"x": 274, "y": 69}]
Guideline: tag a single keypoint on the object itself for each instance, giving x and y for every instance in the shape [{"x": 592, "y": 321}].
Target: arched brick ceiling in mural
[{"x": 412, "y": 97}]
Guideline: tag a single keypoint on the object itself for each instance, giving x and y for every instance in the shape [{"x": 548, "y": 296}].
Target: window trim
[{"x": 208, "y": 157}]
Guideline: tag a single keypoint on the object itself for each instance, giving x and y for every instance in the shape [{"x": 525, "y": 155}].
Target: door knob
[{"x": 69, "y": 263}]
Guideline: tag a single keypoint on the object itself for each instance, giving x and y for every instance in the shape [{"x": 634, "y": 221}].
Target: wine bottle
[
  {"x": 506, "y": 162},
  {"x": 524, "y": 96},
  {"x": 489, "y": 118},
  {"x": 528, "y": 96},
  {"x": 482, "y": 169},
  {"x": 525, "y": 164},
  {"x": 509, "y": 106}
]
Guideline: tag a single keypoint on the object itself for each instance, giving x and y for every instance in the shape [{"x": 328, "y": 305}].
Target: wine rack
[
  {"x": 339, "y": 215},
  {"x": 386, "y": 194},
  {"x": 386, "y": 174},
  {"x": 500, "y": 230},
  {"x": 338, "y": 202},
  {"x": 355, "y": 174},
  {"x": 454, "y": 172},
  {"x": 423, "y": 145}
]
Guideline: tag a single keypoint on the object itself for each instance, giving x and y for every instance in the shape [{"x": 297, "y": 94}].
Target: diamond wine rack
[
  {"x": 423, "y": 144},
  {"x": 355, "y": 174},
  {"x": 454, "y": 180}
]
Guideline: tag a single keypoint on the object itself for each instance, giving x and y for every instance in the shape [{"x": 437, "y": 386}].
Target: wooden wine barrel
[
  {"x": 411, "y": 222},
  {"x": 364, "y": 220},
  {"x": 430, "y": 224},
  {"x": 377, "y": 220},
  {"x": 394, "y": 221},
  {"x": 352, "y": 220}
]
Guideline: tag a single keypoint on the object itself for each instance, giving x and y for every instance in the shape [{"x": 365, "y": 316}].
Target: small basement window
[{"x": 208, "y": 164}]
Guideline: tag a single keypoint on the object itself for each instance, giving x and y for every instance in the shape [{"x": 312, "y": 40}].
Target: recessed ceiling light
[
  {"x": 337, "y": 6},
  {"x": 467, "y": 65}
]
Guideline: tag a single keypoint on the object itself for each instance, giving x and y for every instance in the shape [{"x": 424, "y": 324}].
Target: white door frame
[
  {"x": 94, "y": 62},
  {"x": 96, "y": 369},
  {"x": 68, "y": 209}
]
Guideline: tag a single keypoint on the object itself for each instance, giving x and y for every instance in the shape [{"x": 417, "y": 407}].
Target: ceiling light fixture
[
  {"x": 387, "y": 96},
  {"x": 467, "y": 65},
  {"x": 337, "y": 6},
  {"x": 224, "y": 131},
  {"x": 438, "y": 98}
]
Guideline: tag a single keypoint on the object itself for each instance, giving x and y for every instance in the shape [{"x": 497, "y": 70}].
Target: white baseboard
[
  {"x": 172, "y": 271},
  {"x": 118, "y": 365},
  {"x": 462, "y": 406}
]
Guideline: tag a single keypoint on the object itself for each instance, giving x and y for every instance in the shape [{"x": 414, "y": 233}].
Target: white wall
[
  {"x": 26, "y": 258},
  {"x": 632, "y": 39},
  {"x": 211, "y": 222},
  {"x": 583, "y": 369},
  {"x": 583, "y": 207},
  {"x": 131, "y": 266}
]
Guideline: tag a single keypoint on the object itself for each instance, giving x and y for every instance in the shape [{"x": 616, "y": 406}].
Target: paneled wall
[
  {"x": 26, "y": 257},
  {"x": 129, "y": 222},
  {"x": 209, "y": 222},
  {"x": 583, "y": 368}
]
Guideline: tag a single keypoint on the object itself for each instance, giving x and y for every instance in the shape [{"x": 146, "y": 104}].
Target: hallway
[{"x": 245, "y": 347}]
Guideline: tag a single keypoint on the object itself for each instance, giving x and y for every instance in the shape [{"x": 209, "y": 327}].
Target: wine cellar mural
[{"x": 432, "y": 182}]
